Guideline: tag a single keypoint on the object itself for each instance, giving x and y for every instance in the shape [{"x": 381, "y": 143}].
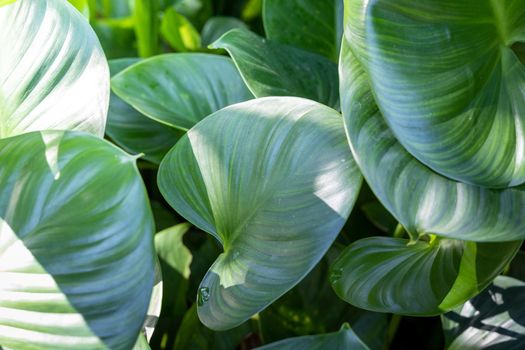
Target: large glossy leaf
[
  {"x": 273, "y": 180},
  {"x": 420, "y": 199},
  {"x": 273, "y": 69},
  {"x": 494, "y": 319},
  {"x": 311, "y": 25},
  {"x": 76, "y": 248},
  {"x": 469, "y": 122},
  {"x": 181, "y": 89},
  {"x": 343, "y": 340},
  {"x": 134, "y": 131},
  {"x": 423, "y": 278},
  {"x": 54, "y": 74}
]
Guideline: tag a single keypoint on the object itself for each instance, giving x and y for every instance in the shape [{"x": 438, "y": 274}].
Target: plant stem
[{"x": 392, "y": 330}]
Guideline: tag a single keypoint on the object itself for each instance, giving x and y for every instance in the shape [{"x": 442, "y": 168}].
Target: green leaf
[
  {"x": 142, "y": 343},
  {"x": 420, "y": 199},
  {"x": 315, "y": 25},
  {"x": 492, "y": 320},
  {"x": 155, "y": 303},
  {"x": 54, "y": 74},
  {"x": 179, "y": 32},
  {"x": 342, "y": 340},
  {"x": 169, "y": 247},
  {"x": 273, "y": 180},
  {"x": 420, "y": 278},
  {"x": 469, "y": 122},
  {"x": 146, "y": 15},
  {"x": 132, "y": 130},
  {"x": 192, "y": 335},
  {"x": 215, "y": 27},
  {"x": 272, "y": 69},
  {"x": 82, "y": 6},
  {"x": 197, "y": 11},
  {"x": 181, "y": 89},
  {"x": 76, "y": 248}
]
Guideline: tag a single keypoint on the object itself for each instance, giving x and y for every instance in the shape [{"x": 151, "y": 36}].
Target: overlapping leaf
[
  {"x": 181, "y": 89},
  {"x": 424, "y": 278},
  {"x": 448, "y": 82},
  {"x": 134, "y": 131},
  {"x": 76, "y": 249},
  {"x": 53, "y": 73},
  {"x": 420, "y": 199},
  {"x": 312, "y": 25},
  {"x": 273, "y": 180},
  {"x": 492, "y": 320},
  {"x": 273, "y": 69}
]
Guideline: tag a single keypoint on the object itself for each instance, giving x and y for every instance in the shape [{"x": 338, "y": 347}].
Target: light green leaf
[
  {"x": 6, "y": 2},
  {"x": 343, "y": 340},
  {"x": 192, "y": 335},
  {"x": 273, "y": 180},
  {"x": 421, "y": 200},
  {"x": 421, "y": 278},
  {"x": 54, "y": 74},
  {"x": 181, "y": 89},
  {"x": 197, "y": 11},
  {"x": 272, "y": 69},
  {"x": 134, "y": 131},
  {"x": 82, "y": 6},
  {"x": 312, "y": 25},
  {"x": 215, "y": 27},
  {"x": 448, "y": 82},
  {"x": 169, "y": 247},
  {"x": 179, "y": 32},
  {"x": 142, "y": 343},
  {"x": 76, "y": 248},
  {"x": 492, "y": 320},
  {"x": 146, "y": 15}
]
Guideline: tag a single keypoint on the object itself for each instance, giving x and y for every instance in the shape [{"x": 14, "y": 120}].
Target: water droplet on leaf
[{"x": 203, "y": 296}]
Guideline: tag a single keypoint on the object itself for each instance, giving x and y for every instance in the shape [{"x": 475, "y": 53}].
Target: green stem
[{"x": 392, "y": 330}]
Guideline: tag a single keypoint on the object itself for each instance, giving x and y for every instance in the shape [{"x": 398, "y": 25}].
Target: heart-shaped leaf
[
  {"x": 315, "y": 25},
  {"x": 420, "y": 199},
  {"x": 492, "y": 320},
  {"x": 76, "y": 247},
  {"x": 54, "y": 74},
  {"x": 181, "y": 89},
  {"x": 134, "y": 131},
  {"x": 273, "y": 180},
  {"x": 448, "y": 82},
  {"x": 424, "y": 278},
  {"x": 343, "y": 340},
  {"x": 272, "y": 69}
]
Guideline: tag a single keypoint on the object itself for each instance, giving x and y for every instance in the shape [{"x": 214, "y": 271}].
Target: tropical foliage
[{"x": 239, "y": 174}]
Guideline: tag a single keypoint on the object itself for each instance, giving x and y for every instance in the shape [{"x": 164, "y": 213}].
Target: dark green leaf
[
  {"x": 343, "y": 340},
  {"x": 420, "y": 278},
  {"x": 272, "y": 69},
  {"x": 134, "y": 131},
  {"x": 312, "y": 25},
  {"x": 215, "y": 27},
  {"x": 181, "y": 89}
]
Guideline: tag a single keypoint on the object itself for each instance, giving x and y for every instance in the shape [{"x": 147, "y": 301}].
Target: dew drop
[{"x": 203, "y": 296}]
